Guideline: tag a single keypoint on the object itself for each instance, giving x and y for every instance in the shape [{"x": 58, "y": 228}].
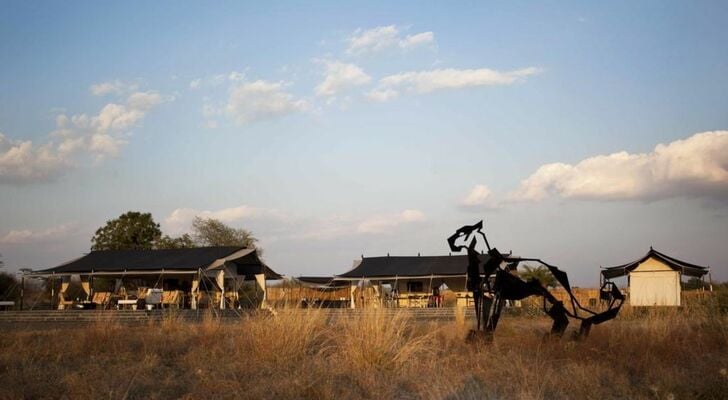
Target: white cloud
[
  {"x": 341, "y": 76},
  {"x": 692, "y": 167},
  {"x": 217, "y": 80},
  {"x": 384, "y": 37},
  {"x": 24, "y": 162},
  {"x": 100, "y": 135},
  {"x": 28, "y": 236},
  {"x": 450, "y": 78},
  {"x": 180, "y": 219},
  {"x": 339, "y": 226},
  {"x": 251, "y": 102},
  {"x": 381, "y": 94},
  {"x": 480, "y": 197},
  {"x": 385, "y": 223},
  {"x": 113, "y": 87},
  {"x": 417, "y": 40}
]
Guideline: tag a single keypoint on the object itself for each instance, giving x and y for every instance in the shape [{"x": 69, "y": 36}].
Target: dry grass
[{"x": 653, "y": 355}]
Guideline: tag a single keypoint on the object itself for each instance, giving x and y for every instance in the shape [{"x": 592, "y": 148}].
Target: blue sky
[{"x": 581, "y": 132}]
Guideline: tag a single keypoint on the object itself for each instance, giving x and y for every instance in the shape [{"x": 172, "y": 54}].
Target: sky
[{"x": 580, "y": 132}]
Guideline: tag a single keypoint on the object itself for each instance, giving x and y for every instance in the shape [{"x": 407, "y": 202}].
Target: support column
[
  {"x": 221, "y": 283},
  {"x": 53, "y": 290},
  {"x": 194, "y": 291},
  {"x": 260, "y": 281},
  {"x": 65, "y": 281},
  {"x": 352, "y": 303},
  {"x": 377, "y": 294},
  {"x": 22, "y": 291}
]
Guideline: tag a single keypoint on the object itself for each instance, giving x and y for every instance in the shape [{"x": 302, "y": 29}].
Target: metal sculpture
[{"x": 494, "y": 282}]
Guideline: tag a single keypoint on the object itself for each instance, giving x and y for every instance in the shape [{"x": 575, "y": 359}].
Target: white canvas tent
[{"x": 654, "y": 279}]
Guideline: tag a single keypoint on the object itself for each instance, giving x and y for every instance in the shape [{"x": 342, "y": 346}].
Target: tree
[
  {"x": 694, "y": 283},
  {"x": 541, "y": 273},
  {"x": 132, "y": 230},
  {"x": 211, "y": 232},
  {"x": 181, "y": 242}
]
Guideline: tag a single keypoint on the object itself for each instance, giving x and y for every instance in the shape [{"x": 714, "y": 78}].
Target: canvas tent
[
  {"x": 309, "y": 291},
  {"x": 411, "y": 279},
  {"x": 654, "y": 279},
  {"x": 218, "y": 268}
]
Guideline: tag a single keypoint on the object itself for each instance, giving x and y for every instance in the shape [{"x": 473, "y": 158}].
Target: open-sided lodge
[
  {"x": 655, "y": 278},
  {"x": 408, "y": 281},
  {"x": 233, "y": 277},
  {"x": 309, "y": 291},
  {"x": 210, "y": 277}
]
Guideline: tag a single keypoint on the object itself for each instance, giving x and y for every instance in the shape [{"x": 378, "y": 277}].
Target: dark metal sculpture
[{"x": 494, "y": 282}]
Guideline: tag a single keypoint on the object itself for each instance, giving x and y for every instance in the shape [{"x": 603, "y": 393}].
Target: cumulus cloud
[
  {"x": 480, "y": 197},
  {"x": 694, "y": 167},
  {"x": 427, "y": 81},
  {"x": 24, "y": 162},
  {"x": 417, "y": 40},
  {"x": 385, "y": 37},
  {"x": 180, "y": 219},
  {"x": 113, "y": 87},
  {"x": 101, "y": 135},
  {"x": 217, "y": 80},
  {"x": 384, "y": 223},
  {"x": 251, "y": 102},
  {"x": 381, "y": 94},
  {"x": 339, "y": 226},
  {"x": 24, "y": 236},
  {"x": 340, "y": 76}
]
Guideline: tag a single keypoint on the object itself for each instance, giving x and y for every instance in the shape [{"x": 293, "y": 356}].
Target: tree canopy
[
  {"x": 211, "y": 232},
  {"x": 541, "y": 273},
  {"x": 131, "y": 231},
  {"x": 134, "y": 230},
  {"x": 181, "y": 242}
]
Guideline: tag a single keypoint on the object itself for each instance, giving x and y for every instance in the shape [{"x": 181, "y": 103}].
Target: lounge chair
[
  {"x": 171, "y": 298},
  {"x": 101, "y": 298},
  {"x": 64, "y": 302}
]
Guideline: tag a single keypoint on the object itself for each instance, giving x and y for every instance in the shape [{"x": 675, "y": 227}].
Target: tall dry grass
[{"x": 658, "y": 354}]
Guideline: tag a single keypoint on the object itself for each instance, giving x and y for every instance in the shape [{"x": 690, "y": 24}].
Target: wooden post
[
  {"x": 352, "y": 303},
  {"x": 22, "y": 291},
  {"x": 53, "y": 290}
]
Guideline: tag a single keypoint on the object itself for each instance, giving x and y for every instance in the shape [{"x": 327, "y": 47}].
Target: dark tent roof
[
  {"x": 410, "y": 266},
  {"x": 684, "y": 267},
  {"x": 327, "y": 281},
  {"x": 168, "y": 259}
]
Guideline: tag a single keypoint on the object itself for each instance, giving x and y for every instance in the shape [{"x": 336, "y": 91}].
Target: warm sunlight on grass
[{"x": 668, "y": 353}]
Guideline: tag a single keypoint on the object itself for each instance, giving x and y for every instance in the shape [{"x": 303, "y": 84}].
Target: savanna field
[{"x": 644, "y": 354}]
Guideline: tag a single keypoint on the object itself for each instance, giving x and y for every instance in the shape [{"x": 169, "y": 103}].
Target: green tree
[
  {"x": 9, "y": 284},
  {"x": 181, "y": 242},
  {"x": 211, "y": 232},
  {"x": 694, "y": 283},
  {"x": 132, "y": 230},
  {"x": 541, "y": 273}
]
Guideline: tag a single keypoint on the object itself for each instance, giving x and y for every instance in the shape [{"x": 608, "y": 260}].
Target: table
[{"x": 123, "y": 303}]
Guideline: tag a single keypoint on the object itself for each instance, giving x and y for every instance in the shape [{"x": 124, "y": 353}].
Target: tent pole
[
  {"x": 53, "y": 290},
  {"x": 22, "y": 291}
]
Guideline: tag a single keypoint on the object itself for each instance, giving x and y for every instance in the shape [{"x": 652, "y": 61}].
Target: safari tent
[
  {"x": 407, "y": 281},
  {"x": 654, "y": 279},
  {"x": 191, "y": 277}
]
